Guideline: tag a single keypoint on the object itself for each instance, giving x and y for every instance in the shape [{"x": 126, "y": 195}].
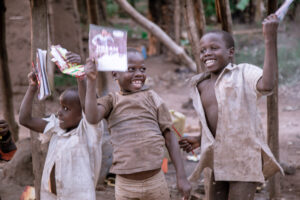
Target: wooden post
[
  {"x": 273, "y": 122},
  {"x": 5, "y": 83},
  {"x": 93, "y": 18},
  {"x": 39, "y": 39},
  {"x": 195, "y": 30},
  {"x": 224, "y": 14},
  {"x": 177, "y": 21}
]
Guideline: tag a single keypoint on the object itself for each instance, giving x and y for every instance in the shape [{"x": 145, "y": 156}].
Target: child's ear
[
  {"x": 115, "y": 75},
  {"x": 231, "y": 52}
]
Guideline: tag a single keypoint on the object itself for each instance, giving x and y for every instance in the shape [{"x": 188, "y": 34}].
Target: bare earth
[{"x": 171, "y": 87}]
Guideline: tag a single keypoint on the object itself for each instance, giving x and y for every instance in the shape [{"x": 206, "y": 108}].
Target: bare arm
[
  {"x": 267, "y": 82},
  {"x": 81, "y": 82},
  {"x": 171, "y": 143},
  {"x": 93, "y": 112},
  {"x": 25, "y": 117}
]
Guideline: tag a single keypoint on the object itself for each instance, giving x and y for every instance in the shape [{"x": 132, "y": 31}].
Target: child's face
[
  {"x": 133, "y": 79},
  {"x": 69, "y": 114},
  {"x": 214, "y": 53}
]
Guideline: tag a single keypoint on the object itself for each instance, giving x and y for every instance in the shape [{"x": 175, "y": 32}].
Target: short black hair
[
  {"x": 74, "y": 95},
  {"x": 225, "y": 35}
]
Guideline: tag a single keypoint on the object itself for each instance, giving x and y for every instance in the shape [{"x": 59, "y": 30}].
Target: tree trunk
[
  {"x": 93, "y": 18},
  {"x": 195, "y": 27},
  {"x": 224, "y": 14},
  {"x": 92, "y": 7},
  {"x": 258, "y": 14},
  {"x": 154, "y": 46},
  {"x": 102, "y": 11},
  {"x": 273, "y": 121},
  {"x": 5, "y": 83},
  {"x": 177, "y": 21},
  {"x": 160, "y": 34},
  {"x": 38, "y": 40}
]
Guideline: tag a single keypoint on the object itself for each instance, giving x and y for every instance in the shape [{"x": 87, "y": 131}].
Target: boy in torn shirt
[
  {"x": 74, "y": 154},
  {"x": 225, "y": 98},
  {"x": 140, "y": 126}
]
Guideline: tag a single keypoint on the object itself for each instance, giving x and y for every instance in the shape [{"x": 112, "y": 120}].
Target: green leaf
[{"x": 242, "y": 4}]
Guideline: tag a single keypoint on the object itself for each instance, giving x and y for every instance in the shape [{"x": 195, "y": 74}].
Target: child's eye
[
  {"x": 131, "y": 69},
  {"x": 143, "y": 69},
  {"x": 202, "y": 51},
  {"x": 65, "y": 108}
]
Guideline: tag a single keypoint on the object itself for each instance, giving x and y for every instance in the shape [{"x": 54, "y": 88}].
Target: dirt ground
[{"x": 171, "y": 86}]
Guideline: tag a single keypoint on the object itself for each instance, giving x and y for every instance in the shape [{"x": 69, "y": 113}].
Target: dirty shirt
[
  {"x": 136, "y": 122},
  {"x": 239, "y": 151},
  {"x": 76, "y": 156}
]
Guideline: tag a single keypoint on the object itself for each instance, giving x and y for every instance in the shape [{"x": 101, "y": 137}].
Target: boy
[
  {"x": 140, "y": 126},
  {"x": 7, "y": 145},
  {"x": 225, "y": 98},
  {"x": 74, "y": 154}
]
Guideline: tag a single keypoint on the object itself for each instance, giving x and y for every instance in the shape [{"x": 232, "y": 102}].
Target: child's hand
[
  {"x": 189, "y": 143},
  {"x": 270, "y": 26},
  {"x": 185, "y": 188},
  {"x": 73, "y": 57},
  {"x": 3, "y": 128},
  {"x": 32, "y": 79},
  {"x": 90, "y": 69}
]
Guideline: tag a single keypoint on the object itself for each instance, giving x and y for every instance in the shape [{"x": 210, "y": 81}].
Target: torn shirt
[
  {"x": 239, "y": 151},
  {"x": 77, "y": 158}
]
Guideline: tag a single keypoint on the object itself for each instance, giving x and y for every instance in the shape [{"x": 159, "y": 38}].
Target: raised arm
[
  {"x": 25, "y": 117},
  {"x": 173, "y": 148},
  {"x": 94, "y": 113},
  {"x": 267, "y": 82}
]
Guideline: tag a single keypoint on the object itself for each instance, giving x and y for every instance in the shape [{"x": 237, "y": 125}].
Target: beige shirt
[
  {"x": 77, "y": 158},
  {"x": 239, "y": 151},
  {"x": 136, "y": 122}
]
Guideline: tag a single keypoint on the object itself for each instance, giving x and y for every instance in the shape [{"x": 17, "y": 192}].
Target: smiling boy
[
  {"x": 140, "y": 125},
  {"x": 225, "y": 98}
]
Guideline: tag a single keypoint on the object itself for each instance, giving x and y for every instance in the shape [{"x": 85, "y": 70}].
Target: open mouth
[
  {"x": 137, "y": 83},
  {"x": 209, "y": 63}
]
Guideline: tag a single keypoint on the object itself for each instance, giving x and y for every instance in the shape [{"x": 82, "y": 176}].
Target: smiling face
[
  {"x": 69, "y": 114},
  {"x": 134, "y": 78},
  {"x": 215, "y": 54}
]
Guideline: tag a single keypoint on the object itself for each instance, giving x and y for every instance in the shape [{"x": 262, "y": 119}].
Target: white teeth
[
  {"x": 137, "y": 82},
  {"x": 208, "y": 62}
]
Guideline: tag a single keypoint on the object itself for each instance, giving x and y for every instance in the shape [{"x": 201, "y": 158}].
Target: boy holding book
[
  {"x": 74, "y": 154},
  {"x": 140, "y": 125}
]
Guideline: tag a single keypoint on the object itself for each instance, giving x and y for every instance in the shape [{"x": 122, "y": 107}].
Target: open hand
[
  {"x": 189, "y": 143},
  {"x": 73, "y": 57},
  {"x": 3, "y": 128},
  {"x": 90, "y": 69},
  {"x": 270, "y": 26},
  {"x": 185, "y": 188}
]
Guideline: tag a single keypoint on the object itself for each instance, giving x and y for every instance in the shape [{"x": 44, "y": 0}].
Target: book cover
[
  {"x": 41, "y": 73},
  {"x": 109, "y": 48},
  {"x": 59, "y": 57}
]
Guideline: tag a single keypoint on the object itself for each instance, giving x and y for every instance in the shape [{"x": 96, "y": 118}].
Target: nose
[
  {"x": 138, "y": 73},
  {"x": 59, "y": 112}
]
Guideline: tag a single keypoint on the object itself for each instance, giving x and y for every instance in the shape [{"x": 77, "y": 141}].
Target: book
[
  {"x": 59, "y": 57},
  {"x": 108, "y": 46},
  {"x": 281, "y": 12},
  {"x": 41, "y": 74}
]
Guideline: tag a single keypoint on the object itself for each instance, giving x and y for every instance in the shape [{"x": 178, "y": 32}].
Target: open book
[
  {"x": 59, "y": 57},
  {"x": 108, "y": 46},
  {"x": 41, "y": 74}
]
